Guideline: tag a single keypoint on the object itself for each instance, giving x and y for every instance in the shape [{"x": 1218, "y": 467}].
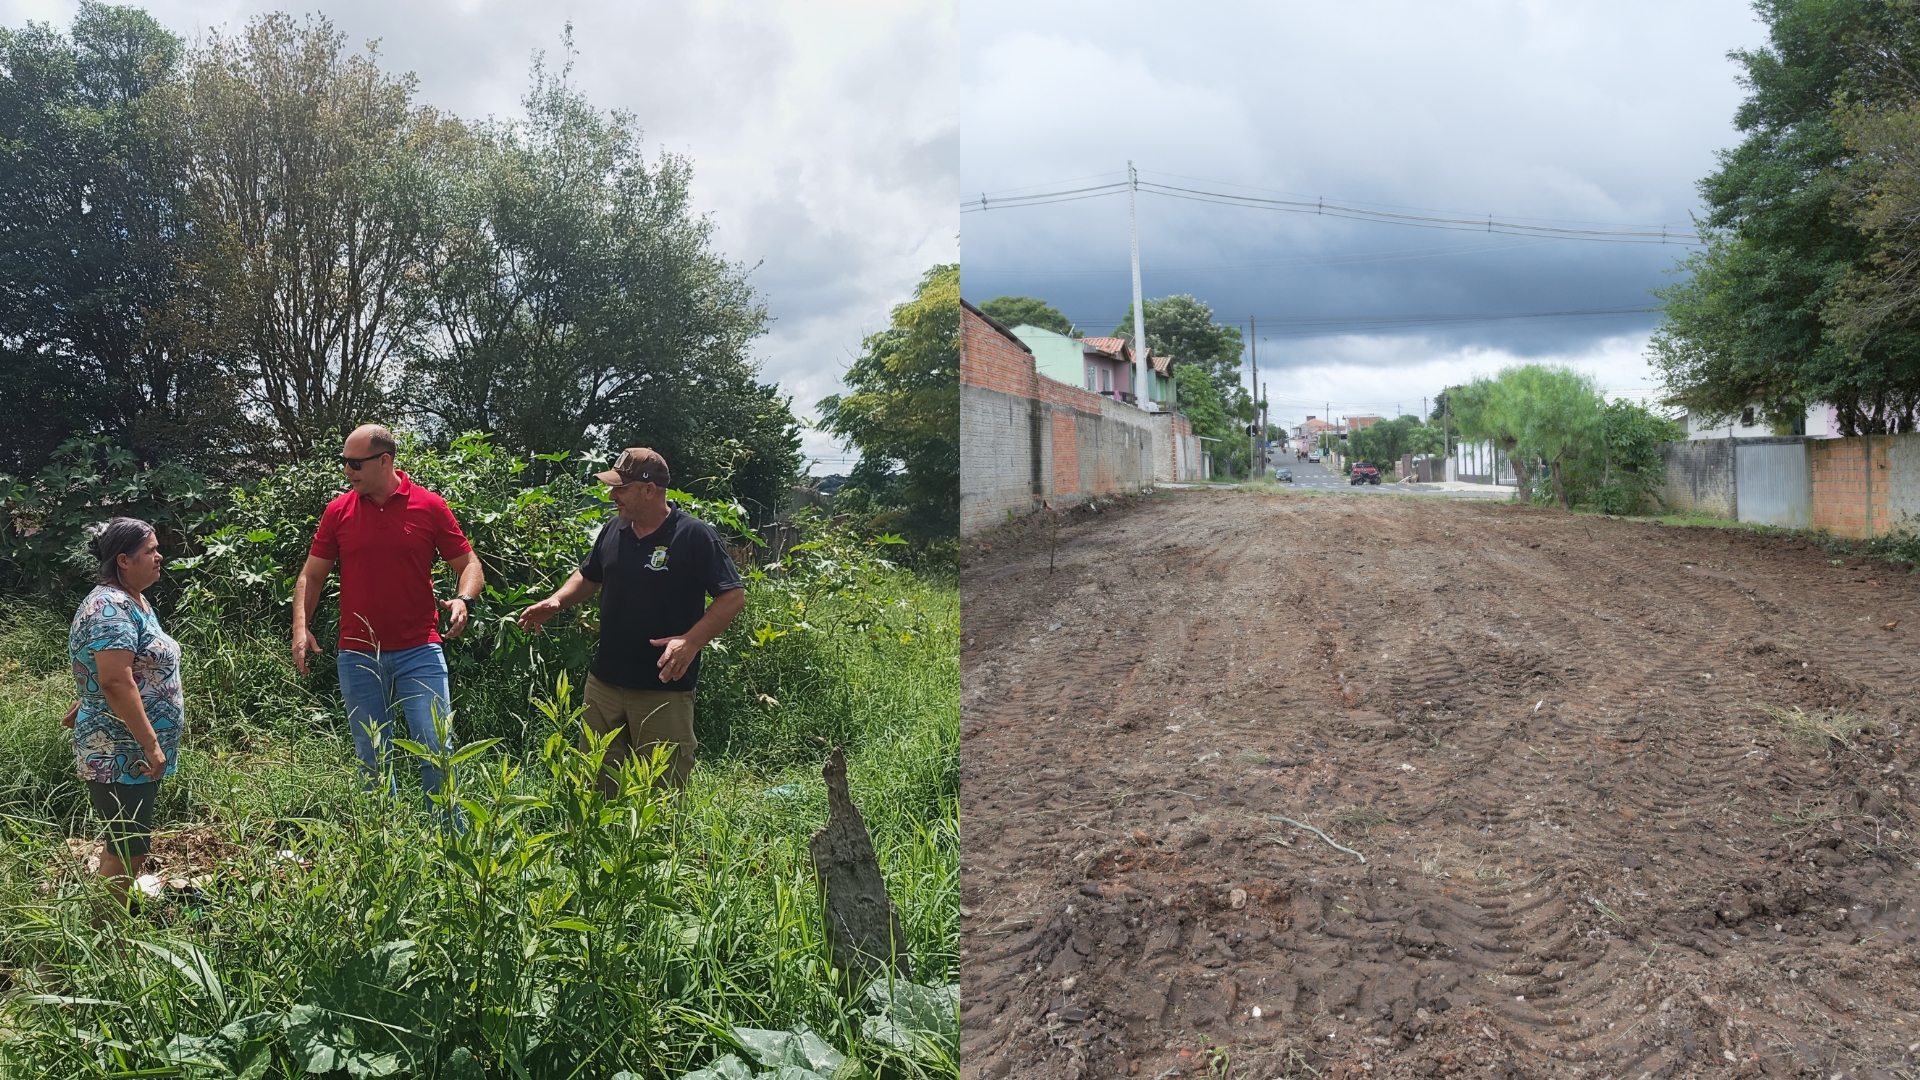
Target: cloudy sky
[
  {"x": 1531, "y": 111},
  {"x": 823, "y": 134}
]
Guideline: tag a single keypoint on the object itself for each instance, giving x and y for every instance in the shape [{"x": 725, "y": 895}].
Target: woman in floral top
[{"x": 126, "y": 725}]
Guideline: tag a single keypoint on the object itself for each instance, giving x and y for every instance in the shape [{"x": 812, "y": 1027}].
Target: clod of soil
[{"x": 1632, "y": 800}]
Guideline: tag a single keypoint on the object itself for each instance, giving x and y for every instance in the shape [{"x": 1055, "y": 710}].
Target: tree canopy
[
  {"x": 94, "y": 206},
  {"x": 1553, "y": 426},
  {"x": 234, "y": 252},
  {"x": 1786, "y": 303},
  {"x": 903, "y": 412},
  {"x": 1384, "y": 442},
  {"x": 1030, "y": 311},
  {"x": 1182, "y": 328}
]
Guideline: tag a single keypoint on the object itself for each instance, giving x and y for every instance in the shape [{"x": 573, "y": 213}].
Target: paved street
[{"x": 1310, "y": 477}]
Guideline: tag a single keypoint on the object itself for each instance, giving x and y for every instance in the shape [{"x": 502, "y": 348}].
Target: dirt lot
[{"x": 1599, "y": 839}]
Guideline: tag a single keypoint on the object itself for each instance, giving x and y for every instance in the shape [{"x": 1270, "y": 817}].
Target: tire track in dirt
[{"x": 1592, "y": 848}]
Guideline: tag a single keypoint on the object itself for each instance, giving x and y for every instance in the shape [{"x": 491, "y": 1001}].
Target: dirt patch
[{"x": 1633, "y": 801}]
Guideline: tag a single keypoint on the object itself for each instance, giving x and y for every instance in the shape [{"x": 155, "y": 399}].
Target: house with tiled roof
[{"x": 1104, "y": 365}]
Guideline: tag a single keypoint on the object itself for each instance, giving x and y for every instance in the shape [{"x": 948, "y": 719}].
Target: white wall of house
[{"x": 1820, "y": 425}]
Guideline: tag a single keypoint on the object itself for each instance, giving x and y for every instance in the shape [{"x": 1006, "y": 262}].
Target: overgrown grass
[{"x": 560, "y": 935}]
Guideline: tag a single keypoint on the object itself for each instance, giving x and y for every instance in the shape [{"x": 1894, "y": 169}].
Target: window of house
[
  {"x": 1089, "y": 376},
  {"x": 1746, "y": 416},
  {"x": 1106, "y": 380}
]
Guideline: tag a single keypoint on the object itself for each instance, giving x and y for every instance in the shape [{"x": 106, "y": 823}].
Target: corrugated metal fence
[{"x": 1860, "y": 487}]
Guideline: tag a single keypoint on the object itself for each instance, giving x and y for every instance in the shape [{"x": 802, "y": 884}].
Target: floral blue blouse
[{"x": 103, "y": 748}]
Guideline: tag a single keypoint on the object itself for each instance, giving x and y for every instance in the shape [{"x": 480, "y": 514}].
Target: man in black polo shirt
[{"x": 655, "y": 567}]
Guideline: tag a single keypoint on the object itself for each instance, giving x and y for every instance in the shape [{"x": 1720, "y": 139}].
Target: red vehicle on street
[{"x": 1363, "y": 473}]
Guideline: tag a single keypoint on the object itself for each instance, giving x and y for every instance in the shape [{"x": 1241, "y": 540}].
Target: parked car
[
  {"x": 1313, "y": 457},
  {"x": 1283, "y": 476},
  {"x": 1363, "y": 473}
]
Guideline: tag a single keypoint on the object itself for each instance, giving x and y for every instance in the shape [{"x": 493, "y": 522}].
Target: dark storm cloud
[
  {"x": 823, "y": 135},
  {"x": 1569, "y": 112}
]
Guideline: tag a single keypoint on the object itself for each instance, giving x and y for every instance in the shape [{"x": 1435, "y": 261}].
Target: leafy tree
[
  {"x": 1628, "y": 471},
  {"x": 1881, "y": 186},
  {"x": 1748, "y": 324},
  {"x": 314, "y": 197},
  {"x": 904, "y": 407},
  {"x": 571, "y": 300},
  {"x": 1386, "y": 441},
  {"x": 1183, "y": 328},
  {"x": 1556, "y": 412},
  {"x": 1214, "y": 418},
  {"x": 1016, "y": 310},
  {"x": 92, "y": 178}
]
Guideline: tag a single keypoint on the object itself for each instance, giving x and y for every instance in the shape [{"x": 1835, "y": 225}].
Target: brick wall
[
  {"x": 1066, "y": 453},
  {"x": 1849, "y": 499},
  {"x": 1026, "y": 439}
]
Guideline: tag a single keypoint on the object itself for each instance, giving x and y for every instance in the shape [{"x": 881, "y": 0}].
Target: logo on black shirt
[{"x": 659, "y": 559}]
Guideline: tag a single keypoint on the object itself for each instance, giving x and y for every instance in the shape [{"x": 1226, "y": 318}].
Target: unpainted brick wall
[
  {"x": 1027, "y": 440},
  {"x": 1849, "y": 491}
]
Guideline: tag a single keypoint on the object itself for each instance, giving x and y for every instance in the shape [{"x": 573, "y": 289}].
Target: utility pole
[
  {"x": 1254, "y": 464},
  {"x": 1139, "y": 312}
]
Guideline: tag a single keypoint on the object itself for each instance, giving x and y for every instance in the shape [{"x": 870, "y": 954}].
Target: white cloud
[{"x": 1368, "y": 375}]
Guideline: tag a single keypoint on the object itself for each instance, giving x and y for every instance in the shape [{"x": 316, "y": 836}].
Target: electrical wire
[
  {"x": 1328, "y": 325},
  {"x": 1399, "y": 255},
  {"x": 1350, "y": 211}
]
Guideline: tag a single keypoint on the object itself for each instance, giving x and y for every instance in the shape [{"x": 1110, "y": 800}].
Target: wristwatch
[{"x": 467, "y": 600}]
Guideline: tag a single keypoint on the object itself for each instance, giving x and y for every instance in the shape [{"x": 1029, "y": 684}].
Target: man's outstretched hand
[{"x": 536, "y": 615}]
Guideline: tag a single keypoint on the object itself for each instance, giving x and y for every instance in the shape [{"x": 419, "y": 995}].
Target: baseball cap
[{"x": 636, "y": 464}]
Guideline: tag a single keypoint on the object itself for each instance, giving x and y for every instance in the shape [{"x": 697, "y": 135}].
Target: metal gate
[{"x": 1772, "y": 485}]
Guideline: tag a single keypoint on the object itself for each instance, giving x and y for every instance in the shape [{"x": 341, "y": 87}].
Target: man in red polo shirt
[{"x": 385, "y": 531}]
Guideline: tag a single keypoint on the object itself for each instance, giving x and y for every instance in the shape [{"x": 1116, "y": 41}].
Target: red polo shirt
[{"x": 386, "y": 552}]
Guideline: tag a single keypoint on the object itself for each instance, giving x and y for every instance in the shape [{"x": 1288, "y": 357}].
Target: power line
[
  {"x": 1330, "y": 260},
  {"x": 1615, "y": 235},
  {"x": 1319, "y": 325},
  {"x": 1369, "y": 202},
  {"x": 1351, "y": 211}
]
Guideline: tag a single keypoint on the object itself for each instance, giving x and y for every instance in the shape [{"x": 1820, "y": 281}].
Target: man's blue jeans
[{"x": 374, "y": 684}]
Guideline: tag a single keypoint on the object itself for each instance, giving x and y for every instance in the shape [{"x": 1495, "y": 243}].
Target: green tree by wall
[{"x": 1777, "y": 309}]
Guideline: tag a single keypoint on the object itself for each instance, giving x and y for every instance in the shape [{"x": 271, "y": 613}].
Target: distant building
[{"x": 1306, "y": 436}]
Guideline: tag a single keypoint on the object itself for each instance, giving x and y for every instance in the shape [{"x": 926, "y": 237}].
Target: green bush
[{"x": 352, "y": 933}]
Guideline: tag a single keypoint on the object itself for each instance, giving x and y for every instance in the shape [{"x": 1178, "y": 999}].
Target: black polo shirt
[{"x": 653, "y": 586}]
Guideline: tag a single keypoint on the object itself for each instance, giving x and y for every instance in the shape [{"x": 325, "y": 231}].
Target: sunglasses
[{"x": 354, "y": 463}]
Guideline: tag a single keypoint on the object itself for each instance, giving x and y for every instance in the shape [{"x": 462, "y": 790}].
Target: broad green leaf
[
  {"x": 729, "y": 1067},
  {"x": 208, "y": 1050},
  {"x": 800, "y": 1047}
]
